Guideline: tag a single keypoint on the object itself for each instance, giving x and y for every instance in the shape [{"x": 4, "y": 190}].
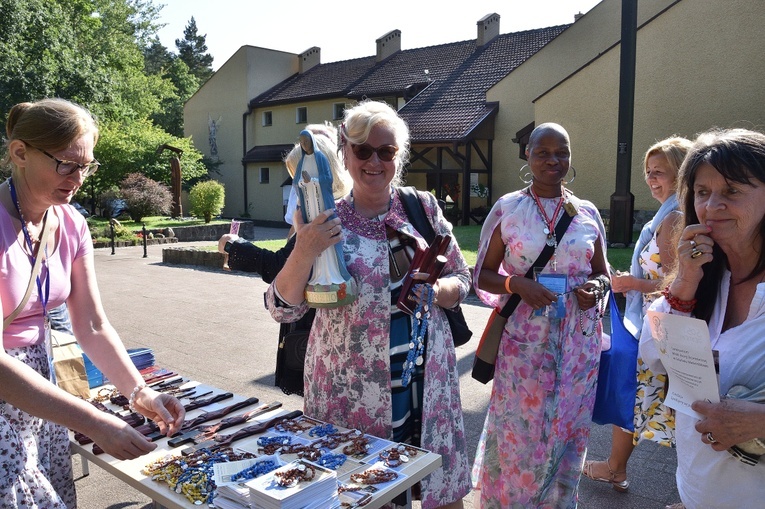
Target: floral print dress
[
  {"x": 347, "y": 369},
  {"x": 653, "y": 419},
  {"x": 536, "y": 430}
]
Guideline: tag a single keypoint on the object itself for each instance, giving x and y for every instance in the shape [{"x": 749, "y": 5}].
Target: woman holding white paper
[{"x": 719, "y": 279}]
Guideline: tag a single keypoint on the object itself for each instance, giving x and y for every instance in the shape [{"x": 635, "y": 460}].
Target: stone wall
[
  {"x": 193, "y": 256},
  {"x": 207, "y": 231},
  {"x": 134, "y": 242}
]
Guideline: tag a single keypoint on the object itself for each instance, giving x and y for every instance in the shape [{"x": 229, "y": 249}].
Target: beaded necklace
[
  {"x": 331, "y": 460},
  {"x": 294, "y": 476},
  {"x": 600, "y": 311},
  {"x": 374, "y": 476},
  {"x": 549, "y": 229},
  {"x": 192, "y": 475},
  {"x": 255, "y": 470},
  {"x": 322, "y": 430},
  {"x": 419, "y": 329}
]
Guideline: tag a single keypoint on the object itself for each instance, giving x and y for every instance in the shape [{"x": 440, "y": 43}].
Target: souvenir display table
[{"x": 252, "y": 435}]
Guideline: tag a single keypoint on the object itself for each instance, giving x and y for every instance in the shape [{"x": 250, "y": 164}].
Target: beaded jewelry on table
[
  {"x": 398, "y": 455},
  {"x": 374, "y": 476},
  {"x": 255, "y": 470},
  {"x": 297, "y": 426},
  {"x": 322, "y": 430},
  {"x": 358, "y": 446},
  {"x": 294, "y": 476},
  {"x": 192, "y": 475}
]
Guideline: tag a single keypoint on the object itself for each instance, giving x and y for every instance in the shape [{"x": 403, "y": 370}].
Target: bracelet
[
  {"x": 507, "y": 283},
  {"x": 684, "y": 306},
  {"x": 131, "y": 400}
]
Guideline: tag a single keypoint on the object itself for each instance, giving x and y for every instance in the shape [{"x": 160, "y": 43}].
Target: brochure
[{"x": 686, "y": 352}]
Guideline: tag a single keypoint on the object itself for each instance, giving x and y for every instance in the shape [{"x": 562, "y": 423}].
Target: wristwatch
[{"x": 227, "y": 247}]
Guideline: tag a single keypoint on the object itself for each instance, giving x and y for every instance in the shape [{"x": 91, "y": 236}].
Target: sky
[{"x": 347, "y": 29}]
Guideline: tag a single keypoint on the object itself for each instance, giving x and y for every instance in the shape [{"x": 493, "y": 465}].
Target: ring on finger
[
  {"x": 695, "y": 253},
  {"x": 711, "y": 438},
  {"x": 693, "y": 243}
]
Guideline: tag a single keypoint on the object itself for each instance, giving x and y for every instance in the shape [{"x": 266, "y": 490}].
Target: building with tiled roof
[{"x": 470, "y": 105}]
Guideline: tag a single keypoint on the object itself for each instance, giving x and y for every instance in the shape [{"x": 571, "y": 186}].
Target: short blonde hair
[
  {"x": 359, "y": 121},
  {"x": 673, "y": 149}
]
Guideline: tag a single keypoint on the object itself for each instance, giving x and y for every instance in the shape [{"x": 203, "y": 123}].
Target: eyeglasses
[
  {"x": 68, "y": 167},
  {"x": 384, "y": 152}
]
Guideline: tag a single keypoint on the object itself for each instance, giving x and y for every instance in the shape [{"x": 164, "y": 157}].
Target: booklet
[{"x": 686, "y": 352}]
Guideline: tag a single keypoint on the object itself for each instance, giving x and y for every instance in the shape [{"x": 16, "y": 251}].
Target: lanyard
[
  {"x": 32, "y": 257},
  {"x": 550, "y": 222}
]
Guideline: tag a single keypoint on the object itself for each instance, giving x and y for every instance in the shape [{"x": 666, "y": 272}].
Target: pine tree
[{"x": 193, "y": 51}]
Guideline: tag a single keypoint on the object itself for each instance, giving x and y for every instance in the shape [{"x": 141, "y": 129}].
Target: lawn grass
[
  {"x": 467, "y": 238},
  {"x": 155, "y": 222}
]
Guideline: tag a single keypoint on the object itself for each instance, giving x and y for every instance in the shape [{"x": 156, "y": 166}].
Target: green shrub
[
  {"x": 100, "y": 231},
  {"x": 145, "y": 197},
  {"x": 207, "y": 199}
]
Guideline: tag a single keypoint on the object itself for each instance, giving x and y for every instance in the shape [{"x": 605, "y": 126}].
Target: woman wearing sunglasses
[
  {"x": 368, "y": 365},
  {"x": 50, "y": 152}
]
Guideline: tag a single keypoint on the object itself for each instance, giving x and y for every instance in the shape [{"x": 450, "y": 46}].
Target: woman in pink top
[{"x": 50, "y": 151}]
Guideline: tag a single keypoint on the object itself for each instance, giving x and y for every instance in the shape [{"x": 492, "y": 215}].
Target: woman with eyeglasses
[
  {"x": 49, "y": 149},
  {"x": 370, "y": 366}
]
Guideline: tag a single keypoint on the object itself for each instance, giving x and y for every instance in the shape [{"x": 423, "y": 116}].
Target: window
[
  {"x": 267, "y": 118},
  {"x": 301, "y": 115},
  {"x": 337, "y": 111},
  {"x": 264, "y": 175}
]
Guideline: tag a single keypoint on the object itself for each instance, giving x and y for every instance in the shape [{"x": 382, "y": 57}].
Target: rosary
[
  {"x": 374, "y": 476},
  {"x": 358, "y": 446},
  {"x": 601, "y": 287},
  {"x": 322, "y": 430},
  {"x": 256, "y": 470},
  {"x": 419, "y": 330},
  {"x": 395, "y": 456},
  {"x": 549, "y": 229},
  {"x": 294, "y": 425},
  {"x": 192, "y": 475},
  {"x": 294, "y": 476}
]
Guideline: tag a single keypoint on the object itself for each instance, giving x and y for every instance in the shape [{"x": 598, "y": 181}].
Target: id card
[{"x": 558, "y": 284}]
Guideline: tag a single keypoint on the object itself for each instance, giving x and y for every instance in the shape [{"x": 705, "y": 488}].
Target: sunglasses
[
  {"x": 65, "y": 168},
  {"x": 384, "y": 152}
]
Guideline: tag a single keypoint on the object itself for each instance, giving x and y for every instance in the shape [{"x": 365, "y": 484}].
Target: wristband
[
  {"x": 507, "y": 283},
  {"x": 131, "y": 401}
]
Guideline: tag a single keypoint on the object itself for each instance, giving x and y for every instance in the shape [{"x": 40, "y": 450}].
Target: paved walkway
[{"x": 211, "y": 326}]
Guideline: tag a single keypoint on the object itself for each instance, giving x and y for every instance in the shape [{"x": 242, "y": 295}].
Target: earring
[
  {"x": 569, "y": 182},
  {"x": 527, "y": 174}
]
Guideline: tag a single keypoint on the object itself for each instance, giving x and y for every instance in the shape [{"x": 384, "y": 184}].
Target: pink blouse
[{"x": 72, "y": 241}]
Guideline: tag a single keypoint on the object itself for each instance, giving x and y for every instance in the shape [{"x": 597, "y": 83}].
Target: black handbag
[
  {"x": 290, "y": 355},
  {"x": 461, "y": 333}
]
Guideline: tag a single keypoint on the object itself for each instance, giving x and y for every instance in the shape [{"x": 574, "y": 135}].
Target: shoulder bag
[
  {"x": 488, "y": 347},
  {"x": 461, "y": 333},
  {"x": 617, "y": 376},
  {"x": 68, "y": 364}
]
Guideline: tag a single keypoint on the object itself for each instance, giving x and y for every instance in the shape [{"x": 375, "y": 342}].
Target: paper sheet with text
[{"x": 686, "y": 352}]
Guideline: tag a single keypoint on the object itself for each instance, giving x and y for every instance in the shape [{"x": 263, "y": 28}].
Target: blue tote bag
[{"x": 617, "y": 376}]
